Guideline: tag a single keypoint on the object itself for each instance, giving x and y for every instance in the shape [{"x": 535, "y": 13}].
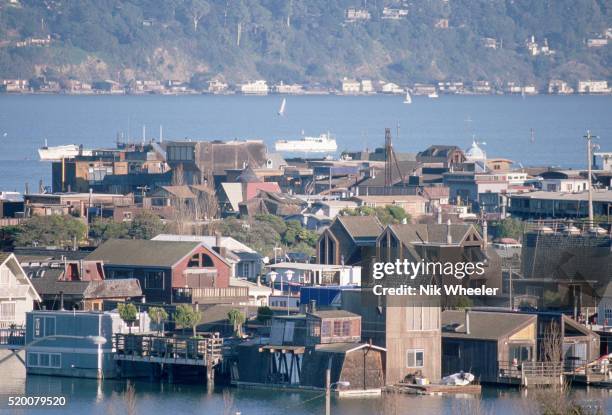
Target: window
[
  {"x": 326, "y": 329},
  {"x": 38, "y": 327},
  {"x": 154, "y": 280},
  {"x": 337, "y": 328},
  {"x": 314, "y": 329},
  {"x": 415, "y": 358},
  {"x": 5, "y": 275},
  {"x": 49, "y": 326},
  {"x": 422, "y": 318},
  {"x": 53, "y": 360},
  {"x": 194, "y": 261},
  {"x": 207, "y": 261},
  {"x": 7, "y": 311}
]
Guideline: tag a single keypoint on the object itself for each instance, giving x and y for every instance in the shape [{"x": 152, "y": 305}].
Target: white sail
[
  {"x": 408, "y": 99},
  {"x": 281, "y": 111}
]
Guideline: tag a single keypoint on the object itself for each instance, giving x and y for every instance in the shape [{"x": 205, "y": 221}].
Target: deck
[
  {"x": 204, "y": 351},
  {"x": 531, "y": 373},
  {"x": 12, "y": 338}
]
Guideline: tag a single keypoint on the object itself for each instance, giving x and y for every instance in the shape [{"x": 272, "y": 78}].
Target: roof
[
  {"x": 119, "y": 288},
  {"x": 309, "y": 267},
  {"x": 227, "y": 242},
  {"x": 21, "y": 276},
  {"x": 437, "y": 150},
  {"x": 334, "y": 314},
  {"x": 138, "y": 252},
  {"x": 361, "y": 226},
  {"x": 248, "y": 175},
  {"x": 4, "y": 256},
  {"x": 182, "y": 192},
  {"x": 345, "y": 347},
  {"x": 233, "y": 191},
  {"x": 430, "y": 233},
  {"x": 598, "y": 196},
  {"x": 390, "y": 199},
  {"x": 484, "y": 325}
]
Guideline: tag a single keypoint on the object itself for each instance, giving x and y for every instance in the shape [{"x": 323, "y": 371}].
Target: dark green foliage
[
  {"x": 386, "y": 215},
  {"x": 173, "y": 39},
  {"x": 52, "y": 230},
  {"x": 145, "y": 225},
  {"x": 264, "y": 313},
  {"x": 509, "y": 228}
]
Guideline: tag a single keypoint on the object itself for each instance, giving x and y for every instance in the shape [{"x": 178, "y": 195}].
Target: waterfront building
[
  {"x": 597, "y": 42},
  {"x": 559, "y": 86},
  {"x": 315, "y": 274},
  {"x": 17, "y": 294},
  {"x": 170, "y": 271},
  {"x": 217, "y": 86},
  {"x": 392, "y": 13},
  {"x": 283, "y": 88},
  {"x": 391, "y": 88},
  {"x": 593, "y": 87},
  {"x": 258, "y": 87},
  {"x": 481, "y": 87},
  {"x": 443, "y": 154},
  {"x": 542, "y": 205},
  {"x": 489, "y": 345},
  {"x": 351, "y": 86},
  {"x": 570, "y": 181},
  {"x": 479, "y": 190}
]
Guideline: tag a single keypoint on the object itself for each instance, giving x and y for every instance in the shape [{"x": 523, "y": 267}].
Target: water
[
  {"x": 108, "y": 397},
  {"x": 504, "y": 122}
]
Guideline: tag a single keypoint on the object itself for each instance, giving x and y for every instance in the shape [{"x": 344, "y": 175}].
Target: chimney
[
  {"x": 467, "y": 321},
  {"x": 485, "y": 233},
  {"x": 218, "y": 239},
  {"x": 61, "y": 293},
  {"x": 439, "y": 215},
  {"x": 449, "y": 237}
]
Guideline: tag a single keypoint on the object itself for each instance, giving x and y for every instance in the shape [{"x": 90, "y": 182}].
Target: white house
[
  {"x": 17, "y": 295},
  {"x": 570, "y": 181},
  {"x": 259, "y": 87}
]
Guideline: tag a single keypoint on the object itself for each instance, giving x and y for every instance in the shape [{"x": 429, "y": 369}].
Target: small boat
[
  {"x": 281, "y": 110},
  {"x": 408, "y": 99},
  {"x": 459, "y": 379},
  {"x": 433, "y": 95},
  {"x": 321, "y": 144}
]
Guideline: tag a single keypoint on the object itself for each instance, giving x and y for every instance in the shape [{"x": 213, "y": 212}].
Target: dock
[{"x": 433, "y": 389}]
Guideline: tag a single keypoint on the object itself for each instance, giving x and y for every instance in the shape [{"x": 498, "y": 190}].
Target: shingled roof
[
  {"x": 432, "y": 233},
  {"x": 139, "y": 252},
  {"x": 483, "y": 325},
  {"x": 361, "y": 226}
]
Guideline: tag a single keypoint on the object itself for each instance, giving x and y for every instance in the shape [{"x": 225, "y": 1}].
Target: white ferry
[
  {"x": 57, "y": 153},
  {"x": 321, "y": 144}
]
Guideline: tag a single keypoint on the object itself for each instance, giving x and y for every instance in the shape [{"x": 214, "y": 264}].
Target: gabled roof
[
  {"x": 437, "y": 150},
  {"x": 139, "y": 252},
  {"x": 432, "y": 233},
  {"x": 359, "y": 227},
  {"x": 182, "y": 192},
  {"x": 21, "y": 275},
  {"x": 483, "y": 325}
]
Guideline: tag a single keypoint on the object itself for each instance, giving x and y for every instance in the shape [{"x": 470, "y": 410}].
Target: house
[
  {"x": 17, "y": 294},
  {"x": 391, "y": 13},
  {"x": 446, "y": 155},
  {"x": 75, "y": 344},
  {"x": 350, "y": 86},
  {"x": 350, "y": 240},
  {"x": 593, "y": 87},
  {"x": 303, "y": 347},
  {"x": 216, "y": 86},
  {"x": 166, "y": 270},
  {"x": 489, "y": 345},
  {"x": 571, "y": 181},
  {"x": 481, "y": 87},
  {"x": 540, "y": 204},
  {"x": 559, "y": 86},
  {"x": 258, "y": 87},
  {"x": 246, "y": 262},
  {"x": 273, "y": 203},
  {"x": 331, "y": 208},
  {"x": 355, "y": 15},
  {"x": 407, "y": 327},
  {"x": 68, "y": 284},
  {"x": 283, "y": 88},
  {"x": 482, "y": 191}
]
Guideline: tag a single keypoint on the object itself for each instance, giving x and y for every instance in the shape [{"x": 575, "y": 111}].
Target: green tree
[
  {"x": 56, "y": 230},
  {"x": 145, "y": 225},
  {"x": 387, "y": 215},
  {"x": 510, "y": 228},
  {"x": 103, "y": 229},
  {"x": 159, "y": 316},
  {"x": 186, "y": 316},
  {"x": 128, "y": 313},
  {"x": 237, "y": 319},
  {"x": 264, "y": 313}
]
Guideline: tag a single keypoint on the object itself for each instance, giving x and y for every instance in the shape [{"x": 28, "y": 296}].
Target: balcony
[{"x": 209, "y": 295}]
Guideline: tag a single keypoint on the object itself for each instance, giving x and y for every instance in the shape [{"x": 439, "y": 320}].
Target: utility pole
[
  {"x": 589, "y": 138},
  {"x": 328, "y": 391}
]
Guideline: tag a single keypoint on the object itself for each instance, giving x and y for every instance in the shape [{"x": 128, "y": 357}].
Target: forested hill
[{"x": 306, "y": 41}]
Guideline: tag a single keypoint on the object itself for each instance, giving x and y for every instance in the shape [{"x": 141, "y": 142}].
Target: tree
[
  {"x": 387, "y": 215},
  {"x": 264, "y": 313},
  {"x": 510, "y": 228},
  {"x": 57, "y": 230},
  {"x": 186, "y": 316},
  {"x": 145, "y": 225},
  {"x": 237, "y": 319},
  {"x": 128, "y": 313},
  {"x": 158, "y": 315},
  {"x": 103, "y": 229}
]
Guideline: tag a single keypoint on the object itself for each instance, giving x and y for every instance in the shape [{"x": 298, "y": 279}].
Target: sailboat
[
  {"x": 281, "y": 110},
  {"x": 408, "y": 99}
]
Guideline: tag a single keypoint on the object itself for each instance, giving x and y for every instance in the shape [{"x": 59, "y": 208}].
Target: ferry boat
[
  {"x": 57, "y": 153},
  {"x": 321, "y": 144}
]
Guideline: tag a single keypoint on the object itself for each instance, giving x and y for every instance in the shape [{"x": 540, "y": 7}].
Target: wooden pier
[{"x": 203, "y": 351}]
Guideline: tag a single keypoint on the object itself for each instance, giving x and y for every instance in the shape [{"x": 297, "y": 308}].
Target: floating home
[{"x": 302, "y": 347}]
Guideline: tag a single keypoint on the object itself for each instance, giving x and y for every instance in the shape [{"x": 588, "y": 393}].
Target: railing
[
  {"x": 181, "y": 350},
  {"x": 531, "y": 372},
  {"x": 189, "y": 295},
  {"x": 14, "y": 336},
  {"x": 542, "y": 369}
]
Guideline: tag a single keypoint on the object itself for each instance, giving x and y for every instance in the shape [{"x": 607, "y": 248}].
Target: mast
[{"x": 589, "y": 138}]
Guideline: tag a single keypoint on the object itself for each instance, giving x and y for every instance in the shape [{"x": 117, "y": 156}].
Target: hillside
[{"x": 308, "y": 41}]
